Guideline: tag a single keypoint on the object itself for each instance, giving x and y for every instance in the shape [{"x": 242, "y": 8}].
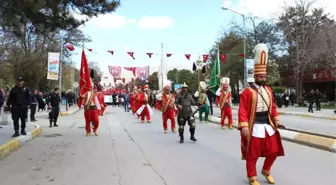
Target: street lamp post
[{"x": 244, "y": 42}]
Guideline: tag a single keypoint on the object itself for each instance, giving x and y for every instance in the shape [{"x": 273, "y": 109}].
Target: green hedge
[{"x": 277, "y": 89}]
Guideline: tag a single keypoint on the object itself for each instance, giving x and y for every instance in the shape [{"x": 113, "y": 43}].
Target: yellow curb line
[
  {"x": 16, "y": 143},
  {"x": 66, "y": 113}
]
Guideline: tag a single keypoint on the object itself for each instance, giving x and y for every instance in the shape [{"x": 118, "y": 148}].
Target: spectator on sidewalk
[
  {"x": 211, "y": 97},
  {"x": 126, "y": 101},
  {"x": 286, "y": 99},
  {"x": 318, "y": 97},
  {"x": 2, "y": 98},
  {"x": 292, "y": 97},
  {"x": 33, "y": 105},
  {"x": 18, "y": 102},
  {"x": 54, "y": 101},
  {"x": 310, "y": 98}
]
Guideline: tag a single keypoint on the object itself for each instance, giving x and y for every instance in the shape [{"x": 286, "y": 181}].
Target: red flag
[
  {"x": 187, "y": 56},
  {"x": 169, "y": 54},
  {"x": 149, "y": 55},
  {"x": 205, "y": 58},
  {"x": 131, "y": 54},
  {"x": 110, "y": 51},
  {"x": 69, "y": 47},
  {"x": 85, "y": 81},
  {"x": 90, "y": 49},
  {"x": 222, "y": 57}
]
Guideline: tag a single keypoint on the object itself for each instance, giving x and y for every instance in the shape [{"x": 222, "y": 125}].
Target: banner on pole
[
  {"x": 53, "y": 66},
  {"x": 250, "y": 70}
]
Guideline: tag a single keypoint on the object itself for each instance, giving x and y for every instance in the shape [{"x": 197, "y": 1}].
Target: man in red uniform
[
  {"x": 101, "y": 99},
  {"x": 145, "y": 109},
  {"x": 132, "y": 99},
  {"x": 137, "y": 100},
  {"x": 258, "y": 121},
  {"x": 224, "y": 103},
  {"x": 91, "y": 110},
  {"x": 167, "y": 101}
]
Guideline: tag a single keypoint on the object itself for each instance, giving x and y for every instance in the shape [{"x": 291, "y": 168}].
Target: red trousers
[
  {"x": 91, "y": 116},
  {"x": 226, "y": 112},
  {"x": 169, "y": 114},
  {"x": 261, "y": 147},
  {"x": 145, "y": 113}
]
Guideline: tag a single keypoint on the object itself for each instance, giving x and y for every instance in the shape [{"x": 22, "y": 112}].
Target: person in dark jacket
[
  {"x": 18, "y": 102},
  {"x": 211, "y": 97},
  {"x": 33, "y": 105},
  {"x": 54, "y": 101},
  {"x": 2, "y": 99},
  {"x": 318, "y": 97},
  {"x": 310, "y": 98}
]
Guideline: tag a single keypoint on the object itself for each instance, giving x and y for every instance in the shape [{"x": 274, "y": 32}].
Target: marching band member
[
  {"x": 145, "y": 110},
  {"x": 133, "y": 99},
  {"x": 166, "y": 104},
  {"x": 91, "y": 109},
  {"x": 203, "y": 101},
  {"x": 224, "y": 103},
  {"x": 258, "y": 121}
]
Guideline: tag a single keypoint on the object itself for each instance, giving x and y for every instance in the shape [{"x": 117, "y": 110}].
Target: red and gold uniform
[
  {"x": 258, "y": 122},
  {"x": 224, "y": 103},
  {"x": 166, "y": 104},
  {"x": 137, "y": 103},
  {"x": 91, "y": 111},
  {"x": 144, "y": 109},
  {"x": 133, "y": 99},
  {"x": 100, "y": 96}
]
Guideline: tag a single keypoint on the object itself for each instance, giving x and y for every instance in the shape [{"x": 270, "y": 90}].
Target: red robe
[
  {"x": 137, "y": 103},
  {"x": 143, "y": 100},
  {"x": 132, "y": 102},
  {"x": 168, "y": 111},
  {"x": 91, "y": 111},
  {"x": 251, "y": 147},
  {"x": 226, "y": 111},
  {"x": 102, "y": 103}
]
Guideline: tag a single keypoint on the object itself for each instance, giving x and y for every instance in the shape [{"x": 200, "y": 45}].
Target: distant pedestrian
[
  {"x": 318, "y": 97},
  {"x": 33, "y": 105},
  {"x": 18, "y": 102},
  {"x": 310, "y": 98},
  {"x": 54, "y": 101}
]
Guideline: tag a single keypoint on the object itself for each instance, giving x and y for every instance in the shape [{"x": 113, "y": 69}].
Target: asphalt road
[
  {"x": 315, "y": 125},
  {"x": 130, "y": 153}
]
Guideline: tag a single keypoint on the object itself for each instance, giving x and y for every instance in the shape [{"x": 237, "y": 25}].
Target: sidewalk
[
  {"x": 9, "y": 144},
  {"x": 303, "y": 112}
]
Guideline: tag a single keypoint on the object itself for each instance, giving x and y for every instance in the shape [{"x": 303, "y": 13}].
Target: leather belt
[{"x": 262, "y": 118}]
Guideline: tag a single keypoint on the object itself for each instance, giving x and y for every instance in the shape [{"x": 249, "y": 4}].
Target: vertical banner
[
  {"x": 115, "y": 71},
  {"x": 250, "y": 70},
  {"x": 142, "y": 73},
  {"x": 53, "y": 66}
]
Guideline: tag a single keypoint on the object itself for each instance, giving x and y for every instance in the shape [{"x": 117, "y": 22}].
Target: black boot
[
  {"x": 192, "y": 134},
  {"x": 181, "y": 137},
  {"x": 16, "y": 134},
  {"x": 50, "y": 121},
  {"x": 23, "y": 132},
  {"x": 55, "y": 125}
]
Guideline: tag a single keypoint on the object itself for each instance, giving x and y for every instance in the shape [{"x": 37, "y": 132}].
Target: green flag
[{"x": 215, "y": 76}]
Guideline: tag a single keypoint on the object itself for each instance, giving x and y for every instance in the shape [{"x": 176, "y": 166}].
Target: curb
[
  {"x": 18, "y": 142},
  {"x": 303, "y": 115},
  {"x": 66, "y": 113},
  {"x": 319, "y": 142}
]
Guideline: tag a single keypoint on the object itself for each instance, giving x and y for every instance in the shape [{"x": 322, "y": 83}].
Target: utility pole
[{"x": 60, "y": 72}]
